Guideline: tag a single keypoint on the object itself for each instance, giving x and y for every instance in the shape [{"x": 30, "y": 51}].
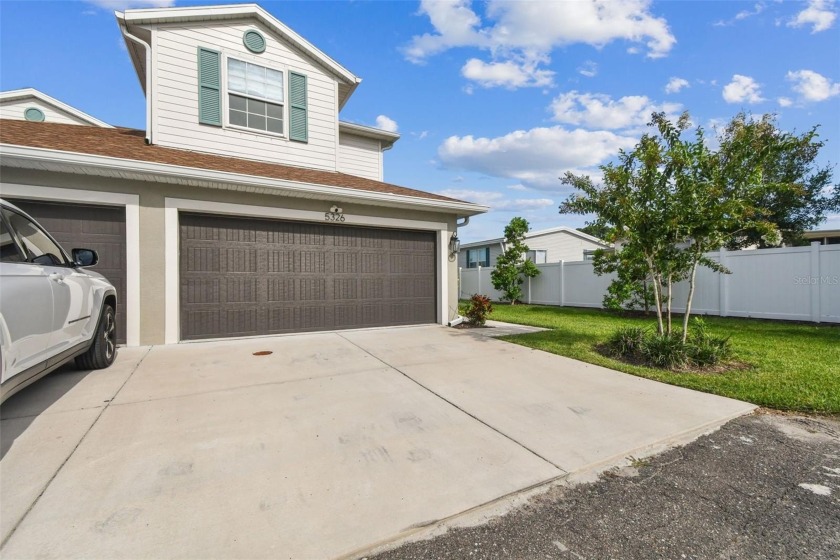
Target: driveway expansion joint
[{"x": 449, "y": 402}]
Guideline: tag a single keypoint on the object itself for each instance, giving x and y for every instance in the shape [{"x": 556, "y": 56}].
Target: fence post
[
  {"x": 479, "y": 280},
  {"x": 529, "y": 290},
  {"x": 460, "y": 285},
  {"x": 562, "y": 283},
  {"x": 723, "y": 298},
  {"x": 814, "y": 281}
]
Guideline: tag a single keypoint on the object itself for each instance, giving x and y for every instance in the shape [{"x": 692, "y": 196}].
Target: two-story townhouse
[{"x": 246, "y": 207}]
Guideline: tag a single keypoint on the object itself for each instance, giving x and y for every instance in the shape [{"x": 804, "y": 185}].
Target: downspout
[{"x": 148, "y": 49}]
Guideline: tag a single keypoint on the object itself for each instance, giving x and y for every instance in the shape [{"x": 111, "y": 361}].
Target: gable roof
[
  {"x": 122, "y": 152},
  {"x": 151, "y": 16},
  {"x": 16, "y": 94},
  {"x": 533, "y": 234}
]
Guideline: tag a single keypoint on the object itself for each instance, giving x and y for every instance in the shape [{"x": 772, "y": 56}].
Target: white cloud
[
  {"x": 386, "y": 123},
  {"x": 128, "y": 4},
  {"x": 422, "y": 135},
  {"x": 742, "y": 89},
  {"x": 820, "y": 15},
  {"x": 743, "y": 14},
  {"x": 497, "y": 201},
  {"x": 812, "y": 86},
  {"x": 674, "y": 85},
  {"x": 518, "y": 187},
  {"x": 521, "y": 35},
  {"x": 536, "y": 157},
  {"x": 508, "y": 74},
  {"x": 785, "y": 102},
  {"x": 588, "y": 69},
  {"x": 595, "y": 110}
]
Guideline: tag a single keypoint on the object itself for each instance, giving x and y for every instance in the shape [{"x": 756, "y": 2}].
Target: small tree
[
  {"x": 511, "y": 265},
  {"x": 671, "y": 200}
]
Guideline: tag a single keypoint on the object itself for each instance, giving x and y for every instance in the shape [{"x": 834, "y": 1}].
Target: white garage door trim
[
  {"x": 131, "y": 202},
  {"x": 172, "y": 206}
]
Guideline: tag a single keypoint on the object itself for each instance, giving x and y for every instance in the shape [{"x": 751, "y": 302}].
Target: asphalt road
[{"x": 763, "y": 486}]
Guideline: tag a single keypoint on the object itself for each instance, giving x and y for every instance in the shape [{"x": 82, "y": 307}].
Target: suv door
[
  {"x": 71, "y": 290},
  {"x": 26, "y": 308}
]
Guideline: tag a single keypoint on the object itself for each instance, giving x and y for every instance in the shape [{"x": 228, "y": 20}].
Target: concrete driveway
[{"x": 332, "y": 444}]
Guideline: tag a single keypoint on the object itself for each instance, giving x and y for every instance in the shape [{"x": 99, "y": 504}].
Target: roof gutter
[
  {"x": 36, "y": 158},
  {"x": 148, "y": 50}
]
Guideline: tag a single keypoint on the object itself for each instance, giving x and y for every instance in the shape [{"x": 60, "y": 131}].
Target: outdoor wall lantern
[{"x": 454, "y": 244}]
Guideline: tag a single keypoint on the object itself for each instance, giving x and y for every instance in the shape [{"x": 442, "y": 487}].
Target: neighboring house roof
[
  {"x": 122, "y": 152},
  {"x": 387, "y": 138},
  {"x": 152, "y": 16},
  {"x": 16, "y": 94},
  {"x": 821, "y": 233},
  {"x": 533, "y": 234}
]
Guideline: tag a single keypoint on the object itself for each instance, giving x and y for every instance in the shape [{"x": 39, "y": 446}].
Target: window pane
[
  {"x": 35, "y": 240},
  {"x": 256, "y": 121},
  {"x": 274, "y": 85},
  {"x": 236, "y": 75},
  {"x": 257, "y": 107},
  {"x": 275, "y": 111},
  {"x": 8, "y": 249},
  {"x": 237, "y": 103},
  {"x": 255, "y": 76},
  {"x": 238, "y": 118},
  {"x": 275, "y": 125}
]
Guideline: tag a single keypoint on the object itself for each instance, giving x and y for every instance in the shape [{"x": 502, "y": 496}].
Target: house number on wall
[{"x": 334, "y": 215}]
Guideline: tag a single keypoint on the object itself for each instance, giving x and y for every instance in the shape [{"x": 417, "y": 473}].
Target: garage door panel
[
  {"x": 101, "y": 228},
  {"x": 297, "y": 277}
]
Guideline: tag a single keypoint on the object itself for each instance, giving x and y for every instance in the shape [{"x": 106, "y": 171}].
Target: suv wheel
[{"x": 103, "y": 349}]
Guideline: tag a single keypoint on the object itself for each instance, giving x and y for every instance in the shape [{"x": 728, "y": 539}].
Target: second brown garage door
[{"x": 246, "y": 276}]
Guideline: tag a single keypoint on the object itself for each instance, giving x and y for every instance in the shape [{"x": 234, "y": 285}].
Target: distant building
[
  {"x": 546, "y": 246},
  {"x": 824, "y": 236}
]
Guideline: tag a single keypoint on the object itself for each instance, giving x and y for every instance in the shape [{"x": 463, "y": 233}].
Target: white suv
[{"x": 52, "y": 309}]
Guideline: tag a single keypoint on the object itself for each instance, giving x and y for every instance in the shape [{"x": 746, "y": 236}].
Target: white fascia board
[
  {"x": 43, "y": 97},
  {"x": 228, "y": 12},
  {"x": 533, "y": 234},
  {"x": 168, "y": 173},
  {"x": 368, "y": 132}
]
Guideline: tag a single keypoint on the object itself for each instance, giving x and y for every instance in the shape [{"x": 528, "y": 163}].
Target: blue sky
[{"x": 494, "y": 100}]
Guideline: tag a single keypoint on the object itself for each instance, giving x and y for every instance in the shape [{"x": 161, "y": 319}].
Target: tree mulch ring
[{"x": 725, "y": 367}]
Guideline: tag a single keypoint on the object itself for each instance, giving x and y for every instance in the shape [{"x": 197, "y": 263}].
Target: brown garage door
[
  {"x": 246, "y": 276},
  {"x": 101, "y": 228}
]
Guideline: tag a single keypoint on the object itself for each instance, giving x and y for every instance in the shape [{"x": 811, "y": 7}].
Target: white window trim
[
  {"x": 226, "y": 93},
  {"x": 172, "y": 207},
  {"x": 131, "y": 202}
]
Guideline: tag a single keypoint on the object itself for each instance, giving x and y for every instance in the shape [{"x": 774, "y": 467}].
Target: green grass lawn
[{"x": 796, "y": 366}]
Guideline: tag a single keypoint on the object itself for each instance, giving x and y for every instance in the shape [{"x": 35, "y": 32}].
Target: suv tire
[{"x": 103, "y": 349}]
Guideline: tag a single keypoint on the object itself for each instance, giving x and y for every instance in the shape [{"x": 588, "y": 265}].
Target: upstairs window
[{"x": 255, "y": 96}]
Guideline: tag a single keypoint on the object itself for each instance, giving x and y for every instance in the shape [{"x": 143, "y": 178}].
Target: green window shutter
[
  {"x": 209, "y": 87},
  {"x": 298, "y": 112}
]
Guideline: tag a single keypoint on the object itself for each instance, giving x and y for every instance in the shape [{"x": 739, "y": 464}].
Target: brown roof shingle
[{"x": 130, "y": 144}]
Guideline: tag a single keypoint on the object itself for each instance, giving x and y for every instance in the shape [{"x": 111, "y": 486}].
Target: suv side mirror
[{"x": 85, "y": 257}]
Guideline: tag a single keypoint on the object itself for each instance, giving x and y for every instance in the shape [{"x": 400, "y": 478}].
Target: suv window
[
  {"x": 40, "y": 248},
  {"x": 8, "y": 248}
]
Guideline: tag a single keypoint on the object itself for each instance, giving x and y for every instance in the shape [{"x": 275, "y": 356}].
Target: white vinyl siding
[
  {"x": 360, "y": 156},
  {"x": 14, "y": 109},
  {"x": 561, "y": 246},
  {"x": 175, "y": 97}
]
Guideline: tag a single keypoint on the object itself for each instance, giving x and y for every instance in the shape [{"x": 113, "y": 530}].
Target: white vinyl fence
[{"x": 792, "y": 283}]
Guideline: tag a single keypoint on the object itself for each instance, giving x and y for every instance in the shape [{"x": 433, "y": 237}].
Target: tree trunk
[
  {"x": 670, "y": 291},
  {"x": 688, "y": 302},
  {"x": 657, "y": 291}
]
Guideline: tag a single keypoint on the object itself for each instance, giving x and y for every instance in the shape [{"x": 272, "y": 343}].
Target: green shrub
[
  {"x": 627, "y": 341},
  {"x": 478, "y": 310},
  {"x": 701, "y": 349}
]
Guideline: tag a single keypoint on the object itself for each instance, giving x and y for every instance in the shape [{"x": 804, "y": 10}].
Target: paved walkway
[{"x": 330, "y": 445}]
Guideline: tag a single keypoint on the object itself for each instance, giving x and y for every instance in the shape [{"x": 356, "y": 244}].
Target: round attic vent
[
  {"x": 254, "y": 41},
  {"x": 34, "y": 114}
]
